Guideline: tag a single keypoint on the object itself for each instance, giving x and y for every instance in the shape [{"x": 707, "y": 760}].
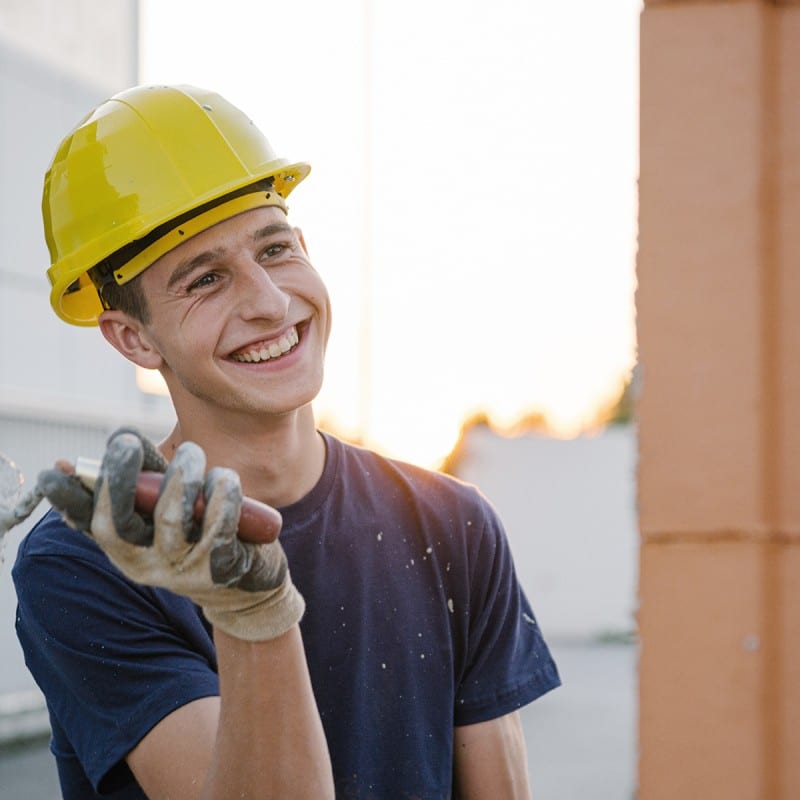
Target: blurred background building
[
  {"x": 62, "y": 389},
  {"x": 58, "y": 60}
]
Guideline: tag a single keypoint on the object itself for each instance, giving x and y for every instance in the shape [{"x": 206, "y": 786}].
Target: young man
[{"x": 170, "y": 651}]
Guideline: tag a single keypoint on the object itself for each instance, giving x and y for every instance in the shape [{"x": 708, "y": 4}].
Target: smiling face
[{"x": 239, "y": 320}]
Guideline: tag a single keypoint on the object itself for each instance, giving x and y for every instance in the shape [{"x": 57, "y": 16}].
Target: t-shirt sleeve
[
  {"x": 107, "y": 653},
  {"x": 506, "y": 663}
]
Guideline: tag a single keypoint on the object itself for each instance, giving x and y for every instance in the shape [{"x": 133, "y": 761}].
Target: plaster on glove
[
  {"x": 244, "y": 589},
  {"x": 68, "y": 495}
]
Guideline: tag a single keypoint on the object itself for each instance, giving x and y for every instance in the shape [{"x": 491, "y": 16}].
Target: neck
[{"x": 279, "y": 460}]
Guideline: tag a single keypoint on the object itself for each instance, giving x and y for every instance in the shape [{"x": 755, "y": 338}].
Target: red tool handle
[{"x": 258, "y": 522}]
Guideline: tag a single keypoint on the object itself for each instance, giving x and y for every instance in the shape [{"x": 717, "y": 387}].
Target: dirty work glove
[
  {"x": 244, "y": 589},
  {"x": 67, "y": 494}
]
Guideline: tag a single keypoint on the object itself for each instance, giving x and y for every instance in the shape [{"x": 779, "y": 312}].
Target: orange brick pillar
[{"x": 719, "y": 410}]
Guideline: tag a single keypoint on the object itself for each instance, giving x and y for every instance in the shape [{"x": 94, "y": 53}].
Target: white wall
[
  {"x": 569, "y": 508},
  {"x": 44, "y": 91},
  {"x": 94, "y": 42},
  {"x": 62, "y": 389}
]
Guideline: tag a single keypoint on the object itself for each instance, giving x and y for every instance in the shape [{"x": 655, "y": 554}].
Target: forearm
[
  {"x": 489, "y": 760},
  {"x": 270, "y": 742}
]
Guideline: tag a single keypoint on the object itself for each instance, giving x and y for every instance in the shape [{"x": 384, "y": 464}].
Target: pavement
[{"x": 581, "y": 737}]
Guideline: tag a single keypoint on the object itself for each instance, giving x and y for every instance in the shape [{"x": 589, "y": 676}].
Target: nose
[{"x": 258, "y": 296}]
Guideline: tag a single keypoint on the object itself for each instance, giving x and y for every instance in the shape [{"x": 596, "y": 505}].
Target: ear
[{"x": 129, "y": 337}]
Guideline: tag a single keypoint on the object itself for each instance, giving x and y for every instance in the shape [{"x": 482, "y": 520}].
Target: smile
[{"x": 264, "y": 351}]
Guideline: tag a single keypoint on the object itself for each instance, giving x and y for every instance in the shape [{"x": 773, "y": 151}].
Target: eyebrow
[
  {"x": 185, "y": 267},
  {"x": 269, "y": 230},
  {"x": 207, "y": 256}
]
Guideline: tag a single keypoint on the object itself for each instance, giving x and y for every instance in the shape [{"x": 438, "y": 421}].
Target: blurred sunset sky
[{"x": 472, "y": 200}]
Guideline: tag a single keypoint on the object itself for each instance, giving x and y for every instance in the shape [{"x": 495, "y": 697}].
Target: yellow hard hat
[{"x": 145, "y": 158}]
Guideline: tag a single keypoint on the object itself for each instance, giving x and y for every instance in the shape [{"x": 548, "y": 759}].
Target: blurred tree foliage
[{"x": 619, "y": 411}]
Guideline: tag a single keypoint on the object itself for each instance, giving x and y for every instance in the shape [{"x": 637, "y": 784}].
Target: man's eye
[
  {"x": 273, "y": 250},
  {"x": 205, "y": 280}
]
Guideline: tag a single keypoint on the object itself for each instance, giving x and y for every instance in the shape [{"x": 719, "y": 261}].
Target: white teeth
[{"x": 271, "y": 350}]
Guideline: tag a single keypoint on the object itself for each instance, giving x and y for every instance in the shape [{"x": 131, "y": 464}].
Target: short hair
[{"x": 129, "y": 298}]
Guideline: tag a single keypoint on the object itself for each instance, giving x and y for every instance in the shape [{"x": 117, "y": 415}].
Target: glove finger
[
  {"x": 68, "y": 496},
  {"x": 229, "y": 558},
  {"x": 174, "y": 512},
  {"x": 115, "y": 494},
  {"x": 152, "y": 459},
  {"x": 234, "y": 563},
  {"x": 268, "y": 569}
]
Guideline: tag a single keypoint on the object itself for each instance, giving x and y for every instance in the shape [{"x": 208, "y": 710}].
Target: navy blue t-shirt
[{"x": 414, "y": 623}]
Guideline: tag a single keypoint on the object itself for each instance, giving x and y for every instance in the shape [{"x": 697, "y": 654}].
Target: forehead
[{"x": 234, "y": 232}]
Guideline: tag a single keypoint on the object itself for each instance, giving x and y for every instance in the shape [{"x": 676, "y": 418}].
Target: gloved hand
[{"x": 244, "y": 589}]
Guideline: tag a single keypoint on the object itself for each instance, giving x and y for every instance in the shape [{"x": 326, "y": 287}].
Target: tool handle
[{"x": 258, "y": 522}]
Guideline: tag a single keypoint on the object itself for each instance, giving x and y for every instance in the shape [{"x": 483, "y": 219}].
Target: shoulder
[
  {"x": 406, "y": 490},
  {"x": 52, "y": 537},
  {"x": 60, "y": 568},
  {"x": 377, "y": 468},
  {"x": 55, "y": 561}
]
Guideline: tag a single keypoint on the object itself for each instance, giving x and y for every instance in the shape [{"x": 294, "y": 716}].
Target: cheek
[
  {"x": 182, "y": 346},
  {"x": 322, "y": 301},
  {"x": 328, "y": 317}
]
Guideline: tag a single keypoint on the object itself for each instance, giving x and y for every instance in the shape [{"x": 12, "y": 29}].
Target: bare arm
[
  {"x": 261, "y": 739},
  {"x": 489, "y": 760}
]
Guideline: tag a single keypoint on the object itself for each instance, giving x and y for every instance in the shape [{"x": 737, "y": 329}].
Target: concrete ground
[{"x": 581, "y": 738}]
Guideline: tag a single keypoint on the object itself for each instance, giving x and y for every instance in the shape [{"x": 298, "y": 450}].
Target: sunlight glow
[
  {"x": 150, "y": 381},
  {"x": 482, "y": 259}
]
